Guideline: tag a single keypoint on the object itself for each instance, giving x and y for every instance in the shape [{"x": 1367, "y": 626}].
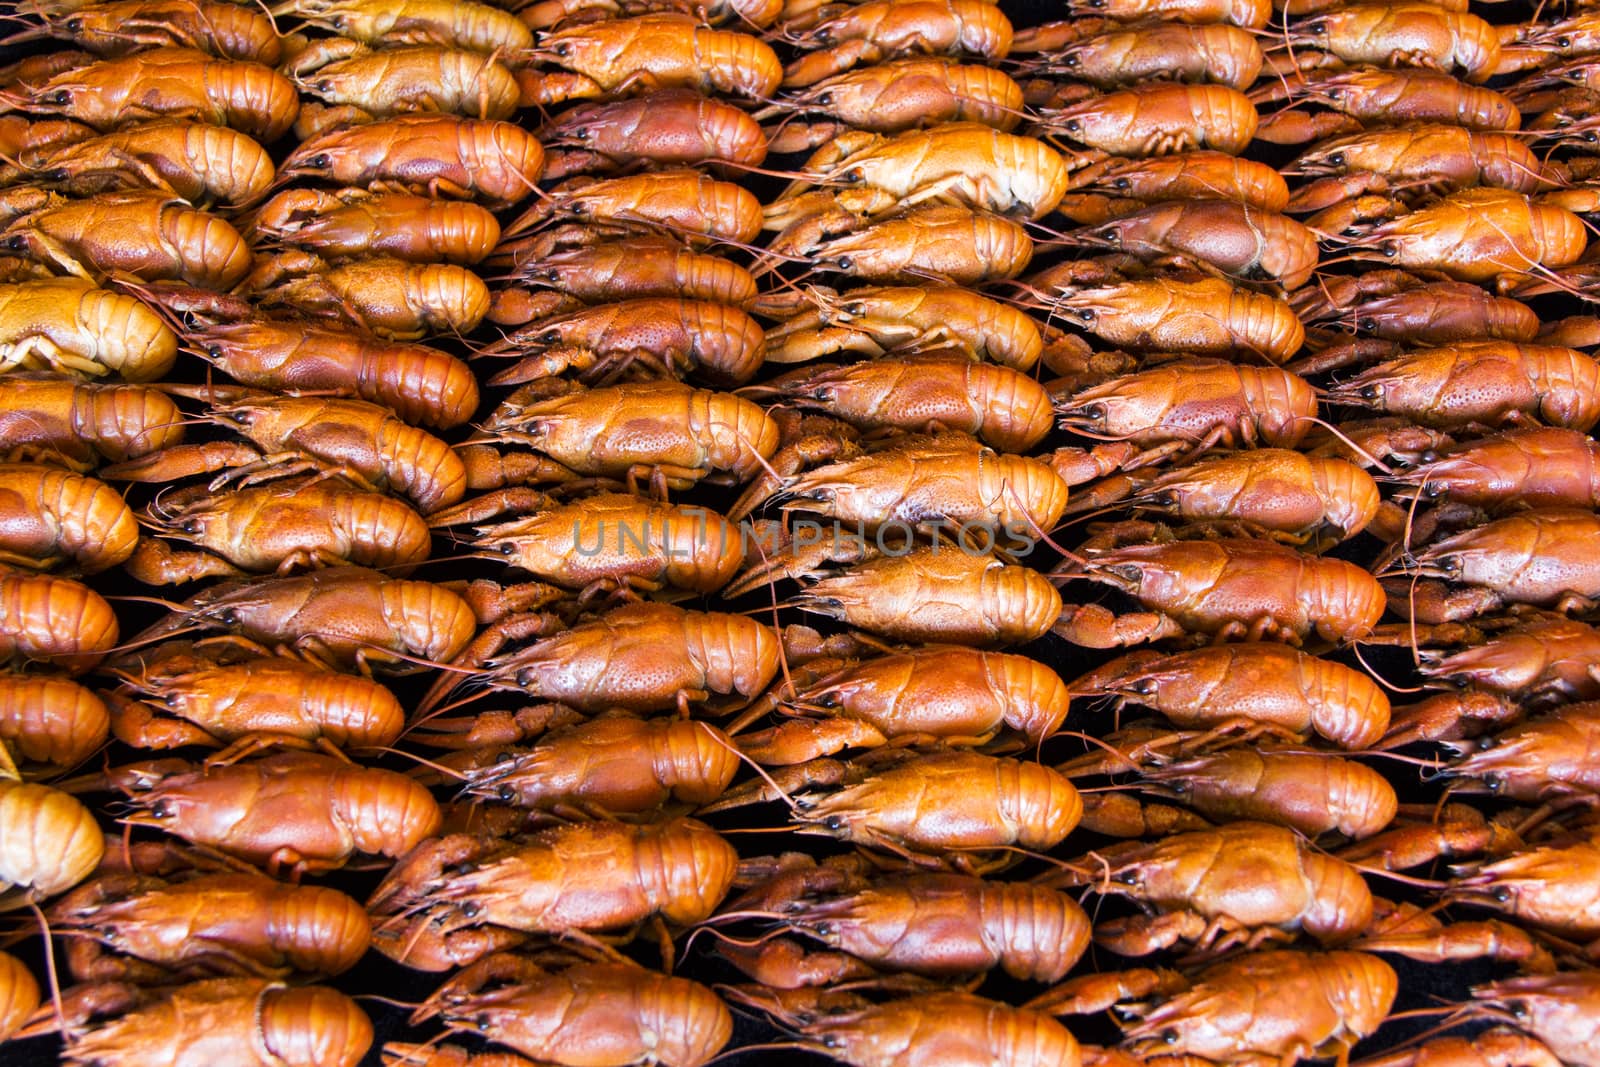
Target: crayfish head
[
  {"x": 239, "y": 415},
  {"x": 1446, "y": 565},
  {"x": 1124, "y": 576},
  {"x": 1090, "y": 416},
  {"x": 1370, "y": 390},
  {"x": 147, "y": 776},
  {"x": 1322, "y": 161},
  {"x": 1309, "y": 33},
  {"x": 1559, "y": 1009},
  {"x": 1142, "y": 687}
]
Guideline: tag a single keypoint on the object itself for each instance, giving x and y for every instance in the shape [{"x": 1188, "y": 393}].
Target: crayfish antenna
[
  {"x": 1039, "y": 531},
  {"x": 1101, "y": 743},
  {"x": 769, "y": 260},
  {"x": 406, "y": 1054},
  {"x": 1404, "y": 879},
  {"x": 392, "y": 1002},
  {"x": 1415, "y": 761},
  {"x": 1338, "y": 433},
  {"x": 162, "y": 630},
  {"x": 777, "y": 626},
  {"x": 449, "y": 772},
  {"x": 1393, "y": 687},
  {"x": 1041, "y": 300},
  {"x": 786, "y": 284},
  {"x": 1055, "y": 238},
  {"x": 718, "y": 935},
  {"x": 766, "y": 172},
  {"x": 1455, "y": 1015},
  {"x": 51, "y": 975},
  {"x": 761, "y": 772},
  {"x": 431, "y": 708},
  {"x": 766, "y": 1046}
]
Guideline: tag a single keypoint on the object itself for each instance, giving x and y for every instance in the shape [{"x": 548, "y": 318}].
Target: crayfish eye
[
  {"x": 160, "y": 810},
  {"x": 1389, "y": 250},
  {"x": 483, "y": 1024},
  {"x": 835, "y": 823},
  {"x": 1122, "y": 184},
  {"x": 1589, "y": 136},
  {"x": 1125, "y": 877},
  {"x": 1126, "y": 571},
  {"x": 563, "y": 50},
  {"x": 580, "y": 134},
  {"x": 1433, "y": 491},
  {"x": 1370, "y": 392},
  {"x": 1501, "y": 894},
  {"x": 845, "y": 263},
  {"x": 1494, "y": 782},
  {"x": 1143, "y": 687},
  {"x": 853, "y": 175},
  {"x": 1563, "y": 42},
  {"x": 190, "y": 526},
  {"x": 18, "y": 243},
  {"x": 825, "y": 99},
  {"x": 506, "y": 548},
  {"x": 1170, "y": 1036},
  {"x": 74, "y": 25},
  {"x": 506, "y": 794},
  {"x": 320, "y": 161},
  {"x": 1070, "y": 61},
  {"x": 1085, "y": 314},
  {"x": 324, "y": 86},
  {"x": 214, "y": 351},
  {"x": 549, "y": 337},
  {"x": 1337, "y": 159},
  {"x": 61, "y": 96},
  {"x": 228, "y": 617},
  {"x": 1316, "y": 28},
  {"x": 1073, "y": 125},
  {"x": 1369, "y": 325},
  {"x": 1517, "y": 1008},
  {"x": 854, "y": 310}
]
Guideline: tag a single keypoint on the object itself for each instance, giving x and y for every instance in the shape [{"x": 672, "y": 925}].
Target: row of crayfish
[{"x": 696, "y": 588}]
